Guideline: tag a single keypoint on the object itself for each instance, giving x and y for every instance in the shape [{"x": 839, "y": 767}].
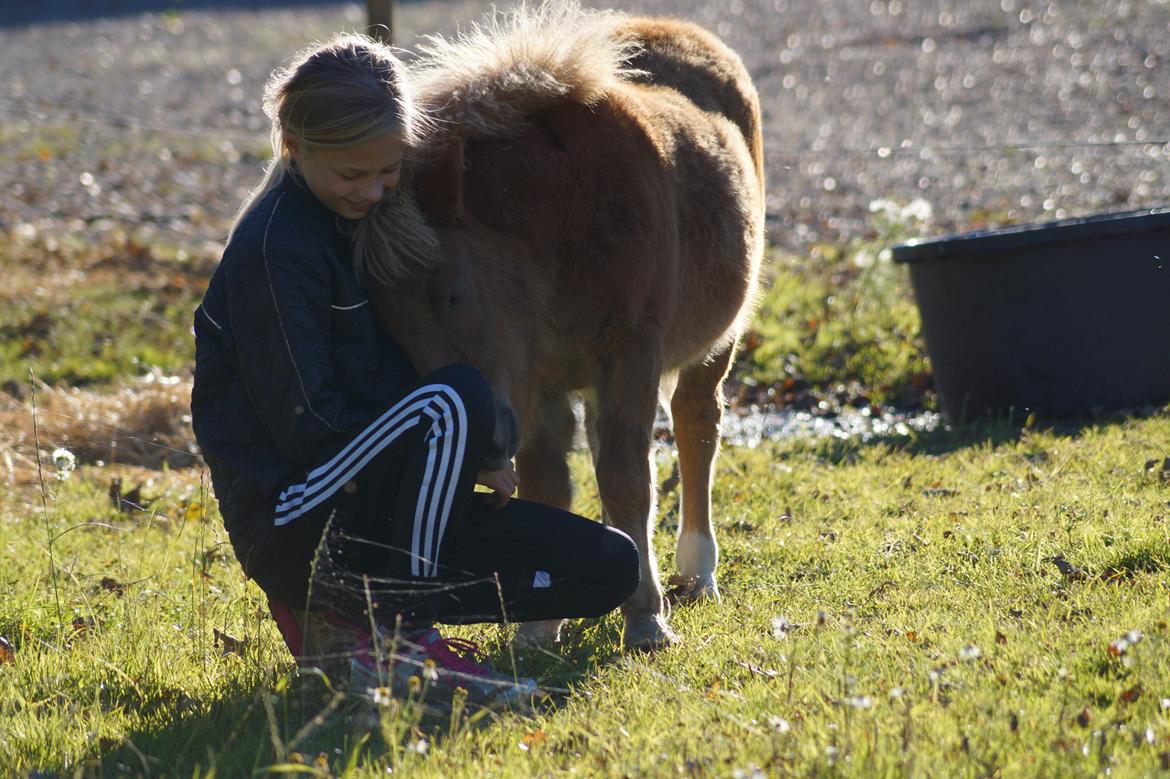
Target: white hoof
[{"x": 542, "y": 633}]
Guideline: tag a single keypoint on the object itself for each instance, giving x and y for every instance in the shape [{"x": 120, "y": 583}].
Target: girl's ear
[
  {"x": 439, "y": 186},
  {"x": 292, "y": 145}
]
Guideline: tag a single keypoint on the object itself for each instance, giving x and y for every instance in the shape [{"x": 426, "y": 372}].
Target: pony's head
[{"x": 445, "y": 307}]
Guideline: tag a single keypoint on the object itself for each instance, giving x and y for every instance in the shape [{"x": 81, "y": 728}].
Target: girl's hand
[{"x": 502, "y": 483}]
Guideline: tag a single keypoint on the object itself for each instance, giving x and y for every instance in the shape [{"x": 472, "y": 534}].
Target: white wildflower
[
  {"x": 382, "y": 696},
  {"x": 422, "y": 746},
  {"x": 64, "y": 462},
  {"x": 1165, "y": 704},
  {"x": 1119, "y": 646},
  {"x": 781, "y": 627},
  {"x": 751, "y": 772},
  {"x": 896, "y": 693},
  {"x": 969, "y": 653},
  {"x": 863, "y": 258},
  {"x": 779, "y": 724},
  {"x": 859, "y": 702}
]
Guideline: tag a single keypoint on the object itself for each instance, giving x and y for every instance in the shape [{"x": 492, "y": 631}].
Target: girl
[{"x": 322, "y": 442}]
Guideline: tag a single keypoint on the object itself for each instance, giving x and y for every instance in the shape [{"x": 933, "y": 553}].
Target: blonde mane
[{"x": 487, "y": 82}]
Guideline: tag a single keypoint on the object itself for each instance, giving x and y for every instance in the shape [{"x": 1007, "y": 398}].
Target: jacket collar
[{"x": 307, "y": 204}]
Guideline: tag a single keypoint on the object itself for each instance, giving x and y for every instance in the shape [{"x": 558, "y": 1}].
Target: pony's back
[{"x": 690, "y": 60}]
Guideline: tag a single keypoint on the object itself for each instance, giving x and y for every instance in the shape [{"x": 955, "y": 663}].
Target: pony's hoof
[
  {"x": 692, "y": 589},
  {"x": 647, "y": 633},
  {"x": 541, "y": 633}
]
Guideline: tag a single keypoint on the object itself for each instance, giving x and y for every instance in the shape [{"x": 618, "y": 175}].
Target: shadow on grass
[
  {"x": 304, "y": 720},
  {"x": 246, "y": 730}
]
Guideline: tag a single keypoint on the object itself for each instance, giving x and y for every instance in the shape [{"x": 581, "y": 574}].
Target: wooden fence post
[{"x": 380, "y": 17}]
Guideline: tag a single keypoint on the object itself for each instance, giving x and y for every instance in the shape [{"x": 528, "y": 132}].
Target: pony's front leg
[
  {"x": 697, "y": 413},
  {"x": 544, "y": 477},
  {"x": 623, "y": 428}
]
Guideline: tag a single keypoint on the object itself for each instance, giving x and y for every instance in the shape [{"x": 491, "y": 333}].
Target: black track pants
[{"x": 399, "y": 505}]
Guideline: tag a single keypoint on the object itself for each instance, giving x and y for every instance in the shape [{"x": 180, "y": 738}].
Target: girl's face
[{"x": 350, "y": 181}]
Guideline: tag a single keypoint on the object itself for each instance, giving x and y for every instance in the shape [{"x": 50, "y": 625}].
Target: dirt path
[{"x": 991, "y": 110}]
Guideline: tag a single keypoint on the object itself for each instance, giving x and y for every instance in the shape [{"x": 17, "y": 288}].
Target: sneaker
[
  {"x": 317, "y": 639},
  {"x": 441, "y": 665}
]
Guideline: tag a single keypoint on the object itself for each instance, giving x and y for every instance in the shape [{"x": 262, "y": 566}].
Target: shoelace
[{"x": 446, "y": 653}]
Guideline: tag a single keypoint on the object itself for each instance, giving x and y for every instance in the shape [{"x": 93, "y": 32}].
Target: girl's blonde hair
[{"x": 342, "y": 93}]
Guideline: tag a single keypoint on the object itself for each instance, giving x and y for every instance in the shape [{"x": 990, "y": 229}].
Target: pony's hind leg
[
  {"x": 544, "y": 477},
  {"x": 621, "y": 430},
  {"x": 697, "y": 409}
]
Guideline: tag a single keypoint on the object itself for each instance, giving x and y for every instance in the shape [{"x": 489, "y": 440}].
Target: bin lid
[{"x": 1029, "y": 235}]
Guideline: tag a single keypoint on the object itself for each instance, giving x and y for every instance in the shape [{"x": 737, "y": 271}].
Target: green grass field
[{"x": 990, "y": 601}]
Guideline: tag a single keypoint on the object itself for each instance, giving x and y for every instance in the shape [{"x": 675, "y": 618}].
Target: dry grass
[{"x": 145, "y": 423}]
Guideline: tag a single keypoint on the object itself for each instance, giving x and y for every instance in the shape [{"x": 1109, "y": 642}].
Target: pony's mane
[{"x": 487, "y": 80}]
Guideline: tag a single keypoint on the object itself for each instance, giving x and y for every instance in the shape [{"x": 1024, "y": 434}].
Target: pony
[{"x": 587, "y": 219}]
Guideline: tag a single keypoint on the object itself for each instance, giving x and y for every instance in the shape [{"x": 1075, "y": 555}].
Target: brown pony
[{"x": 595, "y": 203}]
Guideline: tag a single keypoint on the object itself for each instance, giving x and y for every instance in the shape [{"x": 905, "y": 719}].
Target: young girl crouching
[{"x": 320, "y": 437}]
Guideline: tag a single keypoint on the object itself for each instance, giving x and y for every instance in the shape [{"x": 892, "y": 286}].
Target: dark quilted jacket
[{"x": 288, "y": 360}]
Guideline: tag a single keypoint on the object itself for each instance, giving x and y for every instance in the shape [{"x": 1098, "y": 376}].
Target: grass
[
  {"x": 984, "y": 601},
  {"x": 83, "y": 314},
  {"x": 842, "y": 321},
  {"x": 890, "y": 608}
]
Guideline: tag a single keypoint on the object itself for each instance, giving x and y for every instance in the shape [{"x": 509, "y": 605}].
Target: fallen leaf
[
  {"x": 112, "y": 585},
  {"x": 1084, "y": 718},
  {"x": 1130, "y": 695},
  {"x": 229, "y": 645},
  {"x": 7, "y": 653},
  {"x": 911, "y": 635},
  {"x": 533, "y": 739},
  {"x": 1000, "y": 638}
]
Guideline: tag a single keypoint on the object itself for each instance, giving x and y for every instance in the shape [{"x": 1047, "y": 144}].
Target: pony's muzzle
[{"x": 505, "y": 439}]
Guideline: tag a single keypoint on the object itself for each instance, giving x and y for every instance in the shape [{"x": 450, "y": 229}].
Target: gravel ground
[{"x": 144, "y": 116}]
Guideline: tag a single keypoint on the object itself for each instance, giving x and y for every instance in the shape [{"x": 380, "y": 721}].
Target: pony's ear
[{"x": 439, "y": 186}]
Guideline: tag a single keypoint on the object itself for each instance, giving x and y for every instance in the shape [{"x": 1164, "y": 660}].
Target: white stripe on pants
[{"x": 446, "y": 442}]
